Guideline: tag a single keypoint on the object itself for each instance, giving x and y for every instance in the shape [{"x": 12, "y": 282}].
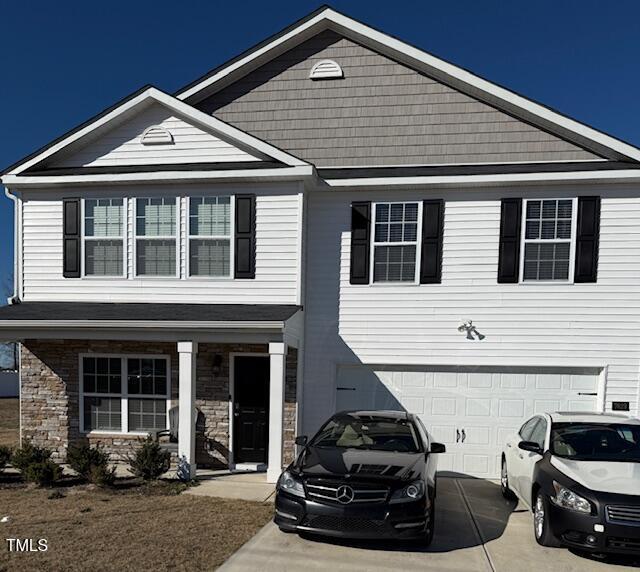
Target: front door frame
[{"x": 232, "y": 392}]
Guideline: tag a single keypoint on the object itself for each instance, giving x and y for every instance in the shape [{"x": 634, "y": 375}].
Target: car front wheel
[
  {"x": 504, "y": 482},
  {"x": 541, "y": 529}
]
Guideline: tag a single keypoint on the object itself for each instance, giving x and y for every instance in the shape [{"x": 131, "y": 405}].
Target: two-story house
[{"x": 334, "y": 219}]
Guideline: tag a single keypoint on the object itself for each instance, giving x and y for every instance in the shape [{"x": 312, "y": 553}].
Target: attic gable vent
[
  {"x": 326, "y": 69},
  {"x": 156, "y": 135}
]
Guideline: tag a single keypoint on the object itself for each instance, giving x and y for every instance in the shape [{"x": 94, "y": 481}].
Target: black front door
[{"x": 251, "y": 409}]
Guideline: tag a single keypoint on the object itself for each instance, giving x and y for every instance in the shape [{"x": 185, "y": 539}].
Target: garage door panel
[{"x": 484, "y": 405}]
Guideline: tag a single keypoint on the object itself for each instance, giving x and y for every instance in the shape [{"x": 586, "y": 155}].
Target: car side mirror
[
  {"x": 301, "y": 440},
  {"x": 437, "y": 448},
  {"x": 530, "y": 446}
]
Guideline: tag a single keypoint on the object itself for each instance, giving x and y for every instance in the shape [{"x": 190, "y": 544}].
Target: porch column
[
  {"x": 277, "y": 355},
  {"x": 187, "y": 352}
]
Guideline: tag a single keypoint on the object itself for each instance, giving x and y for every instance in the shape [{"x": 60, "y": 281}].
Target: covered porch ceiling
[{"x": 250, "y": 323}]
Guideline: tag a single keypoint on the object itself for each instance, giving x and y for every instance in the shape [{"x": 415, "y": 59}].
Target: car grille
[
  {"x": 344, "y": 524},
  {"x": 328, "y": 491},
  {"x": 623, "y": 543},
  {"x": 623, "y": 515}
]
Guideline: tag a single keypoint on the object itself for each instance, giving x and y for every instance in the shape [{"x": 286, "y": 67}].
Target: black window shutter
[
  {"x": 245, "y": 236},
  {"x": 71, "y": 238},
  {"x": 509, "y": 253},
  {"x": 587, "y": 239},
  {"x": 360, "y": 241},
  {"x": 432, "y": 230}
]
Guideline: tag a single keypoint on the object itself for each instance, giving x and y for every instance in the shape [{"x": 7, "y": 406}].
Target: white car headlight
[
  {"x": 413, "y": 491},
  {"x": 566, "y": 498},
  {"x": 290, "y": 484}
]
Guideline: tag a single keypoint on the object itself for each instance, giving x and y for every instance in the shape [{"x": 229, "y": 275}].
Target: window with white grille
[
  {"x": 103, "y": 237},
  {"x": 548, "y": 235},
  {"x": 156, "y": 236},
  {"x": 395, "y": 242},
  {"x": 210, "y": 231}
]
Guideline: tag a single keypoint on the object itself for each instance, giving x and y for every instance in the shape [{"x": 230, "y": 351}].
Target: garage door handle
[
  {"x": 464, "y": 435},
  {"x": 457, "y": 435},
  {"x": 587, "y": 393}
]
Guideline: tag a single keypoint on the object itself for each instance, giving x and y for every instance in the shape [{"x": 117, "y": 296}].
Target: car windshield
[
  {"x": 596, "y": 441},
  {"x": 376, "y": 434}
]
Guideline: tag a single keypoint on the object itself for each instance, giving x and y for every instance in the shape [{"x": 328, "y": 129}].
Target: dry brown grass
[
  {"x": 98, "y": 530},
  {"x": 9, "y": 422}
]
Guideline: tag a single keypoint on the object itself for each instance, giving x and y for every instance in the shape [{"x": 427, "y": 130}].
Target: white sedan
[{"x": 579, "y": 473}]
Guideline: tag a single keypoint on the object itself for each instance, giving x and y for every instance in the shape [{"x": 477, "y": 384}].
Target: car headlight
[
  {"x": 413, "y": 491},
  {"x": 566, "y": 498},
  {"x": 290, "y": 484}
]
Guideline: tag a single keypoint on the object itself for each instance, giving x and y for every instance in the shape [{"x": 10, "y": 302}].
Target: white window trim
[
  {"x": 232, "y": 246},
  {"x": 176, "y": 237},
  {"x": 417, "y": 243},
  {"x": 124, "y": 392},
  {"x": 572, "y": 240},
  {"x": 84, "y": 239}
]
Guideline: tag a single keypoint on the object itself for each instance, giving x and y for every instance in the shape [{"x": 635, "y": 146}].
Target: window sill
[{"x": 97, "y": 433}]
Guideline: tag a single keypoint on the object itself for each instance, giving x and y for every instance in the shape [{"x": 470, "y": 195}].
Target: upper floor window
[
  {"x": 548, "y": 234},
  {"x": 395, "y": 242},
  {"x": 210, "y": 223},
  {"x": 103, "y": 237},
  {"x": 156, "y": 237}
]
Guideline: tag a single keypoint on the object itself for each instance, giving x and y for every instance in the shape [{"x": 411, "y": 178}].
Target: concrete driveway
[{"x": 476, "y": 530}]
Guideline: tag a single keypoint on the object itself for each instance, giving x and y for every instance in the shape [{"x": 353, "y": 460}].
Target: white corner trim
[
  {"x": 415, "y": 57},
  {"x": 152, "y": 94},
  {"x": 629, "y": 176}
]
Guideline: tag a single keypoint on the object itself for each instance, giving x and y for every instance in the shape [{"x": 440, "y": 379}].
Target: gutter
[
  {"x": 15, "y": 298},
  {"x": 146, "y": 324}
]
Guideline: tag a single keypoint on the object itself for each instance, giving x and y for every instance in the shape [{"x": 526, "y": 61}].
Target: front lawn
[
  {"x": 140, "y": 528},
  {"x": 9, "y": 421}
]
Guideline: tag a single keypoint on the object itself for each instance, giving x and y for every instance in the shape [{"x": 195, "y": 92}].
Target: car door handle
[
  {"x": 457, "y": 435},
  {"x": 509, "y": 445},
  {"x": 464, "y": 435}
]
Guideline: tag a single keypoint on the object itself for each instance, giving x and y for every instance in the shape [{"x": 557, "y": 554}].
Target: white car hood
[{"x": 603, "y": 476}]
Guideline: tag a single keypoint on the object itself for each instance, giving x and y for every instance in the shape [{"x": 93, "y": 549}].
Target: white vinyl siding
[
  {"x": 103, "y": 237},
  {"x": 124, "y": 394},
  {"x": 123, "y": 144},
  {"x": 278, "y": 216},
  {"x": 542, "y": 323},
  {"x": 156, "y": 244},
  {"x": 210, "y": 233}
]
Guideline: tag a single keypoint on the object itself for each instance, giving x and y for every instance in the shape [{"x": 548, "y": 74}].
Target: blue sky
[{"x": 64, "y": 61}]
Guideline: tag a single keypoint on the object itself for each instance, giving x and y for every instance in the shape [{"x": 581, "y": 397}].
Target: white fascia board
[
  {"x": 432, "y": 65},
  {"x": 7, "y": 325},
  {"x": 152, "y": 94},
  {"x": 628, "y": 176},
  {"x": 282, "y": 174}
]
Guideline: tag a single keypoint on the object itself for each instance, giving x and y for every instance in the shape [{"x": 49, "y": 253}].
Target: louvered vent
[
  {"x": 156, "y": 135},
  {"x": 326, "y": 69}
]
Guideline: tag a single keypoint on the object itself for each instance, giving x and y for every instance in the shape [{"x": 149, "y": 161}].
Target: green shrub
[
  {"x": 150, "y": 460},
  {"x": 5, "y": 457},
  {"x": 43, "y": 473},
  {"x": 92, "y": 464},
  {"x": 29, "y": 454}
]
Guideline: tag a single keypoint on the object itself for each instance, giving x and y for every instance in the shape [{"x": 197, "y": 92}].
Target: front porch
[{"x": 235, "y": 383}]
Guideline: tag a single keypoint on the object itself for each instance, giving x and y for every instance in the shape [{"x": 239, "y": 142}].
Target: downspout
[{"x": 15, "y": 299}]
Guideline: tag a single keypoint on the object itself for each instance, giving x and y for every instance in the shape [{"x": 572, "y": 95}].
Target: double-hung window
[
  {"x": 395, "y": 242},
  {"x": 103, "y": 237},
  {"x": 548, "y": 234},
  {"x": 210, "y": 246},
  {"x": 156, "y": 237},
  {"x": 124, "y": 394}
]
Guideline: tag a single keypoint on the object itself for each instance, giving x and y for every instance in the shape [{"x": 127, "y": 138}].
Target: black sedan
[{"x": 365, "y": 474}]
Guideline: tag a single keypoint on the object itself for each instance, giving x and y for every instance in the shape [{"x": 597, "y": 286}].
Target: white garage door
[{"x": 470, "y": 410}]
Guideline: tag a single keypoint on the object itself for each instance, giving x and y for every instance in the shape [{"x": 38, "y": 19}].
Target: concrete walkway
[
  {"x": 476, "y": 530},
  {"x": 223, "y": 484}
]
